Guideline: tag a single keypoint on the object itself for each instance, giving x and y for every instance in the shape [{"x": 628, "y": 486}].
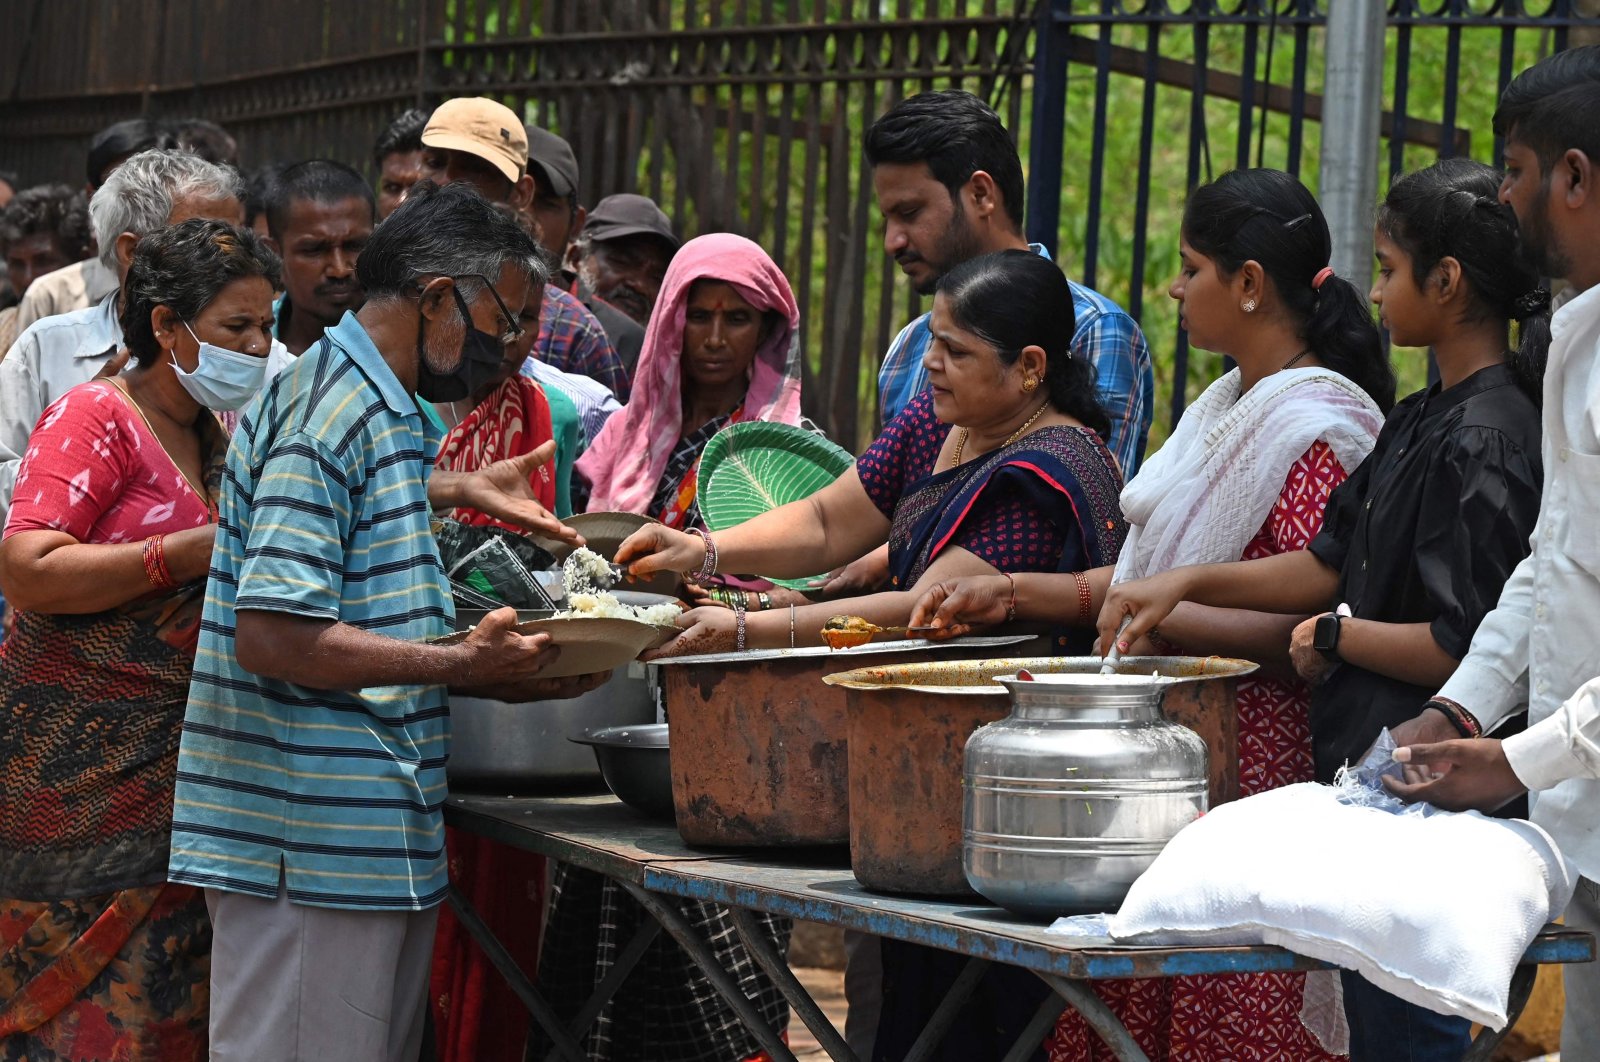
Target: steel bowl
[
  {"x": 635, "y": 761},
  {"x": 496, "y": 745}
]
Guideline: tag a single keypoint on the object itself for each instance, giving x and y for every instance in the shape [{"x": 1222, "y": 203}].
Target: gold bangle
[{"x": 1085, "y": 598}]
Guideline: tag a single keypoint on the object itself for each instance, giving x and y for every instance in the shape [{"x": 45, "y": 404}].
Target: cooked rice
[
  {"x": 606, "y": 606},
  {"x": 585, "y": 571}
]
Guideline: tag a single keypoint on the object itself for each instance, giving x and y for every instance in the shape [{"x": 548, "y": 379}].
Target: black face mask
[{"x": 481, "y": 356}]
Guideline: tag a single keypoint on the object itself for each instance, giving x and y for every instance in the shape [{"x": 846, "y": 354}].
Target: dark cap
[
  {"x": 552, "y": 157},
  {"x": 617, "y": 216}
]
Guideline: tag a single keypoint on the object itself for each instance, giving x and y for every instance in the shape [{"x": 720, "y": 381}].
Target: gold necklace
[{"x": 961, "y": 442}]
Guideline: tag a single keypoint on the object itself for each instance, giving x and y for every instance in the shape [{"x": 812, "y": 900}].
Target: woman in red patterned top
[
  {"x": 1246, "y": 474},
  {"x": 105, "y": 557}
]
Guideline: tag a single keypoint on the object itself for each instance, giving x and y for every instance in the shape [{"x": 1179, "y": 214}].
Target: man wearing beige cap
[{"x": 482, "y": 143}]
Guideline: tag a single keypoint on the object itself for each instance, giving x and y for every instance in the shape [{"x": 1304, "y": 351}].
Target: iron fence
[{"x": 747, "y": 115}]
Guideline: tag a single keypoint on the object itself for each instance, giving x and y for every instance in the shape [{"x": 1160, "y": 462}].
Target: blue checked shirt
[
  {"x": 571, "y": 339},
  {"x": 1106, "y": 337}
]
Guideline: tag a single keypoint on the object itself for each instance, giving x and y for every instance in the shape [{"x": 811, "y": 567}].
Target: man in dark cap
[
  {"x": 561, "y": 217},
  {"x": 622, "y": 254},
  {"x": 555, "y": 206}
]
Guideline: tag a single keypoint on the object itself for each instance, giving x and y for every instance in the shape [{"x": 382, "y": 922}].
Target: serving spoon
[{"x": 1109, "y": 666}]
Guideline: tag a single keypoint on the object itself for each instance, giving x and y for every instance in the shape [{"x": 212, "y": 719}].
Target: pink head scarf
[{"x": 628, "y": 457}]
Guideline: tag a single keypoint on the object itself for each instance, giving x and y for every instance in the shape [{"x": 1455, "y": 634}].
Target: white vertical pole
[{"x": 1352, "y": 106}]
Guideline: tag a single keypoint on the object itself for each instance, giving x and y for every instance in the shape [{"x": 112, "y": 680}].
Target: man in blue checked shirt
[{"x": 949, "y": 184}]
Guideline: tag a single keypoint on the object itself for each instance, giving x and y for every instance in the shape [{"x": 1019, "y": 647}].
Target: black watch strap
[{"x": 1325, "y": 640}]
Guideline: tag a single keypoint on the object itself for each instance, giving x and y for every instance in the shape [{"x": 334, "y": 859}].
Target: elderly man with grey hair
[
  {"x": 311, "y": 780},
  {"x": 150, "y": 191}
]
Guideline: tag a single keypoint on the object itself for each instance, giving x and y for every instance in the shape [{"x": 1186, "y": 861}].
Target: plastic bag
[{"x": 492, "y": 563}]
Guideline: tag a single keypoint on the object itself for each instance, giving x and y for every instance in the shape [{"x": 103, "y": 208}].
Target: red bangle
[
  {"x": 1465, "y": 722},
  {"x": 155, "y": 563},
  {"x": 1085, "y": 598}
]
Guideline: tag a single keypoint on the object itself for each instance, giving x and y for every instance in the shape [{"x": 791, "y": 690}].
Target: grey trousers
[
  {"x": 1580, "y": 1020},
  {"x": 294, "y": 983}
]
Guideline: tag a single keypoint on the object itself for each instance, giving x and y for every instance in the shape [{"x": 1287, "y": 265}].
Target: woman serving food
[{"x": 999, "y": 467}]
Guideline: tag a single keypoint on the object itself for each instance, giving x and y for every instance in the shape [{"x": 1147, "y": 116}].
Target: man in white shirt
[
  {"x": 84, "y": 284},
  {"x": 1538, "y": 647},
  {"x": 151, "y": 190}
]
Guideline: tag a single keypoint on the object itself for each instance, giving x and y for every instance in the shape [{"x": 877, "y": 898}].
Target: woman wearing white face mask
[{"x": 105, "y": 556}]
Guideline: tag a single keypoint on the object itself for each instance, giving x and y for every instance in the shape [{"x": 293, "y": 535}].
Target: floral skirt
[{"x": 122, "y": 977}]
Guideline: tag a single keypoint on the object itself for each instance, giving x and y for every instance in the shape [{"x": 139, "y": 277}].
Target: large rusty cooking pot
[
  {"x": 759, "y": 740},
  {"x": 908, "y": 729}
]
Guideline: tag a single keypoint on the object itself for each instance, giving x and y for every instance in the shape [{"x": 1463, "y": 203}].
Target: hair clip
[
  {"x": 1533, "y": 303},
  {"x": 1295, "y": 223}
]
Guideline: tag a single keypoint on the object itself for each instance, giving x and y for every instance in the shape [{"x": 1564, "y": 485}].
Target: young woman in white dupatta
[{"x": 1246, "y": 474}]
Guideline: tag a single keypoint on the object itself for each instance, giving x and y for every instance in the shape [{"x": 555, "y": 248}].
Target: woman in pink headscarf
[{"x": 723, "y": 346}]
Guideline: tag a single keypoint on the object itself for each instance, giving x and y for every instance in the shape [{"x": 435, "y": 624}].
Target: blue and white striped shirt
[{"x": 324, "y": 514}]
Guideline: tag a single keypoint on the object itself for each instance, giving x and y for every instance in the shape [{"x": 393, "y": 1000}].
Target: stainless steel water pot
[{"x": 1070, "y": 797}]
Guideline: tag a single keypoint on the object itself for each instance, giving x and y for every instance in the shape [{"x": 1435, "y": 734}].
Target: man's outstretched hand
[{"x": 1467, "y": 773}]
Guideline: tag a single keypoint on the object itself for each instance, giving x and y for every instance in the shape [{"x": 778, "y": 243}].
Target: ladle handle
[{"x": 1110, "y": 665}]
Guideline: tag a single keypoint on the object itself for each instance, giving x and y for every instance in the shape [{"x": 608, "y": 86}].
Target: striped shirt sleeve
[{"x": 294, "y": 556}]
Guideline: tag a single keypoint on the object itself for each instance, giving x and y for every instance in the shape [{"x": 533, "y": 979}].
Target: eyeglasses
[{"x": 513, "y": 330}]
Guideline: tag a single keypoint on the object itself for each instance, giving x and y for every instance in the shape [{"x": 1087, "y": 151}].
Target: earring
[
  {"x": 1029, "y": 383},
  {"x": 1248, "y": 306}
]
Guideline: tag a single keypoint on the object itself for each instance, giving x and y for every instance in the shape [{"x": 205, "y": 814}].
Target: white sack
[{"x": 1434, "y": 907}]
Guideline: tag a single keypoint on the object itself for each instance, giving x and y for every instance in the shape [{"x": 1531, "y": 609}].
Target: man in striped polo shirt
[{"x": 311, "y": 772}]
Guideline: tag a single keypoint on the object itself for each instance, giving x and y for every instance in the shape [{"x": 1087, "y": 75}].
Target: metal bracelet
[
  {"x": 708, "y": 567},
  {"x": 738, "y": 614},
  {"x": 791, "y": 625}
]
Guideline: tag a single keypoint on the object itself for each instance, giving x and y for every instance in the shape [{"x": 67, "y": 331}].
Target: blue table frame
[{"x": 651, "y": 862}]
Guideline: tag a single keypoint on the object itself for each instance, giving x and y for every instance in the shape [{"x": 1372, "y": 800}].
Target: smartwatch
[{"x": 1325, "y": 640}]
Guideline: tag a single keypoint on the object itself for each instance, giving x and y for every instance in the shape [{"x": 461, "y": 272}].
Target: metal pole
[
  {"x": 1049, "y": 128},
  {"x": 1352, "y": 107}
]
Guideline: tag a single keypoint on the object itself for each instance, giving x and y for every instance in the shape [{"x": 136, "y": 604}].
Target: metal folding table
[{"x": 651, "y": 862}]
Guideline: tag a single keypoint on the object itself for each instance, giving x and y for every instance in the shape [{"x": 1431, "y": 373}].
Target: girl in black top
[
  {"x": 1418, "y": 542},
  {"x": 1420, "y": 539}
]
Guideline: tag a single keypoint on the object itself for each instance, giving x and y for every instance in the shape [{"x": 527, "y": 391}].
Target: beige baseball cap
[{"x": 482, "y": 127}]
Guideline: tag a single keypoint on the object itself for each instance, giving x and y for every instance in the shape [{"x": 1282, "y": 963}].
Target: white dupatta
[{"x": 1203, "y": 496}]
